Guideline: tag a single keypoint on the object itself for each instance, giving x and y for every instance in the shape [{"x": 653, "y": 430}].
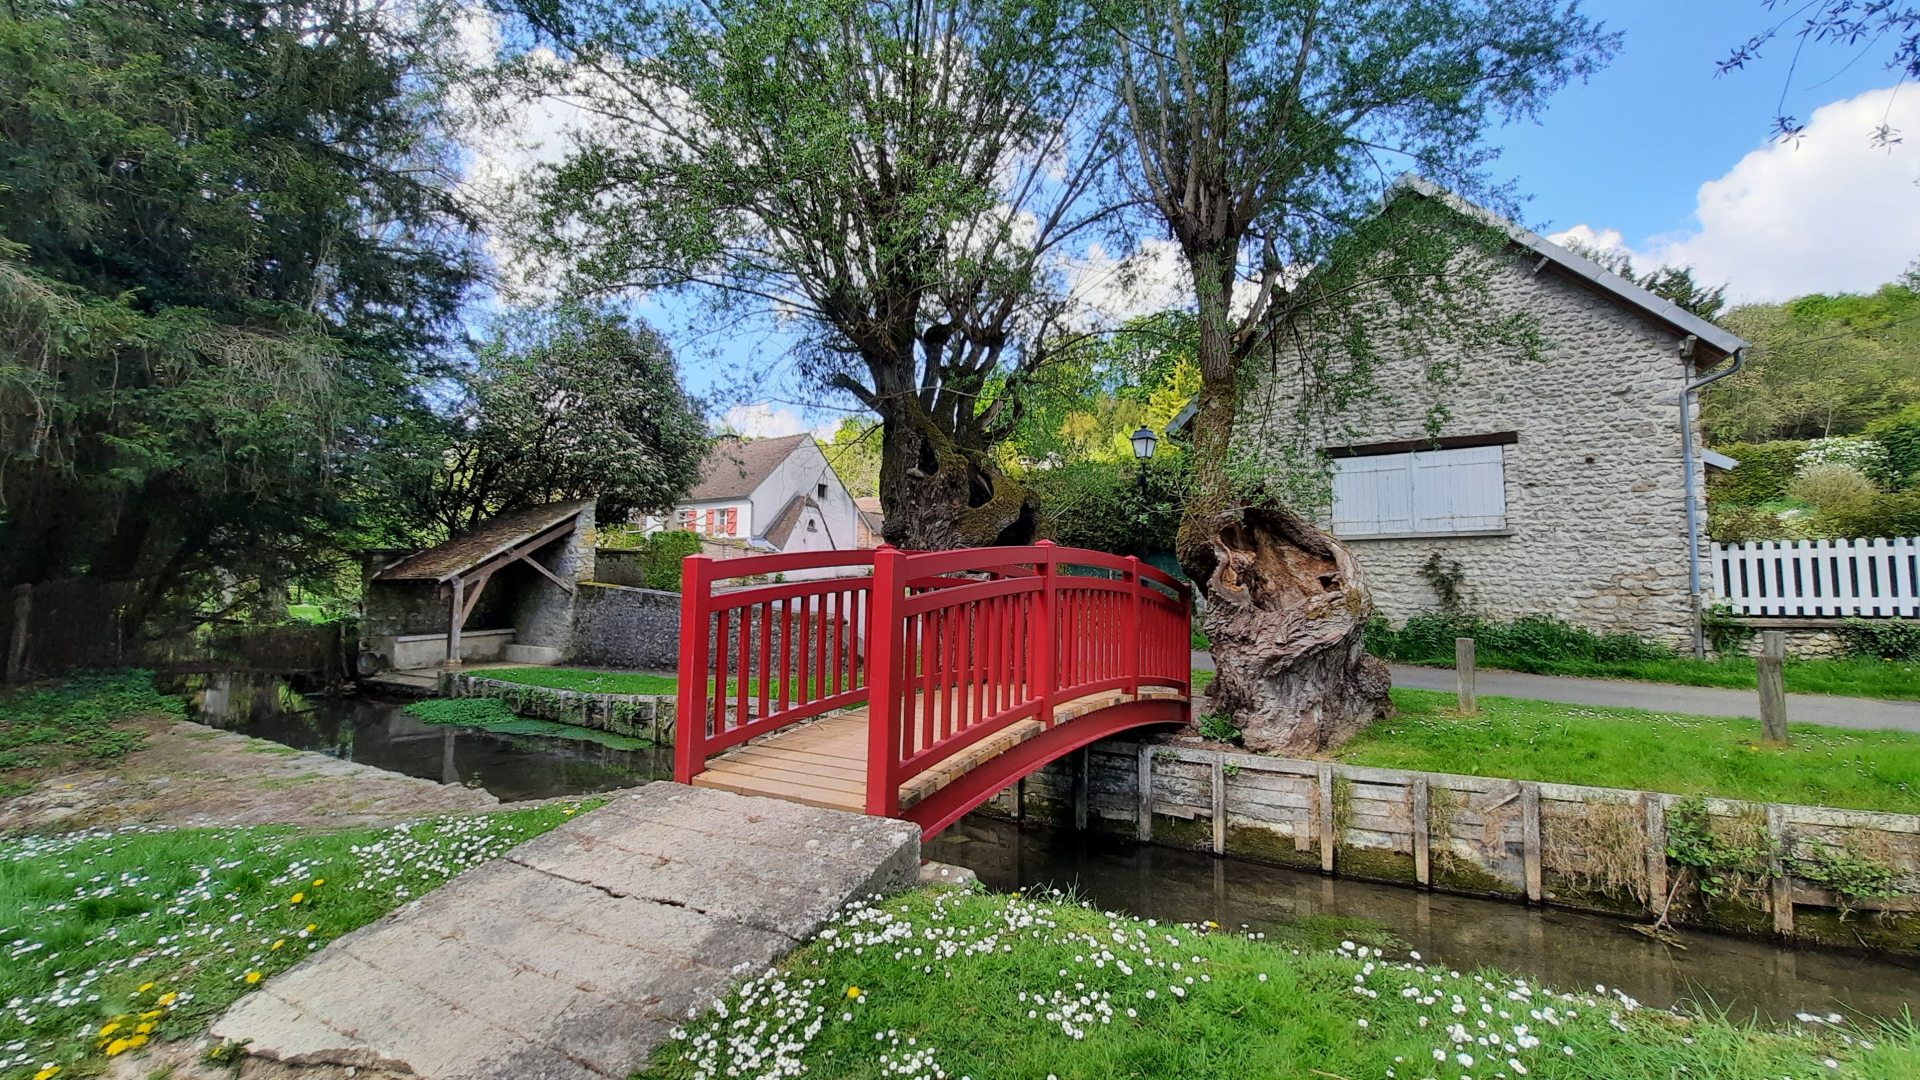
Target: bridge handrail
[{"x": 945, "y": 647}]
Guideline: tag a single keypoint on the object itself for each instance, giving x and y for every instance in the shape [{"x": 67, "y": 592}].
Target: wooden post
[
  {"x": 1327, "y": 839},
  {"x": 1781, "y": 895},
  {"x": 1219, "y": 805},
  {"x": 1463, "y": 675},
  {"x": 1143, "y": 820},
  {"x": 22, "y": 624},
  {"x": 1530, "y": 840},
  {"x": 887, "y": 664},
  {"x": 1656, "y": 853},
  {"x": 1080, "y": 758},
  {"x": 691, "y": 701},
  {"x": 1773, "y": 690},
  {"x": 1422, "y": 833},
  {"x": 456, "y": 614}
]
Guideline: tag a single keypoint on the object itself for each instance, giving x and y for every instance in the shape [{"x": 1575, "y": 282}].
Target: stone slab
[{"x": 573, "y": 956}]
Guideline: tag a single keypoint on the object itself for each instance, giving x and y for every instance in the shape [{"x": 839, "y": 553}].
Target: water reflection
[
  {"x": 1559, "y": 948},
  {"x": 380, "y": 732}
]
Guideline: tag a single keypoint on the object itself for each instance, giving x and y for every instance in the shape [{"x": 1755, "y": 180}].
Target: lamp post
[{"x": 1144, "y": 440}]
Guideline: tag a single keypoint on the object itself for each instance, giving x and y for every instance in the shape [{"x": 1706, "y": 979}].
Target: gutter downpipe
[{"x": 1693, "y": 491}]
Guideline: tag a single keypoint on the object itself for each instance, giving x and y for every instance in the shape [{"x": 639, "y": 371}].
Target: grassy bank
[
  {"x": 492, "y": 714},
  {"x": 48, "y": 726},
  {"x": 1628, "y": 748},
  {"x": 956, "y": 985},
  {"x": 583, "y": 681},
  {"x": 115, "y": 939}
]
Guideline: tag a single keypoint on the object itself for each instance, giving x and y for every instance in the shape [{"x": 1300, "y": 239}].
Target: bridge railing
[{"x": 946, "y": 648}]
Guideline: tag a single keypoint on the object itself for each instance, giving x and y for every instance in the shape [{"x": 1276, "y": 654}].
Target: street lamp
[{"x": 1144, "y": 440}]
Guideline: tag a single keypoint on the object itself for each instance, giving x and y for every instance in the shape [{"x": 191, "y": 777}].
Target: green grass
[
  {"x": 52, "y": 725},
  {"x": 492, "y": 714},
  {"x": 1629, "y": 748},
  {"x": 583, "y": 681},
  {"x": 957, "y": 985},
  {"x": 168, "y": 928},
  {"x": 1892, "y": 680}
]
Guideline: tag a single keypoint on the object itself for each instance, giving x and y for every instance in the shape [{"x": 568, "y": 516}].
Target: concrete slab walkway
[
  {"x": 1865, "y": 714},
  {"x": 573, "y": 956}
]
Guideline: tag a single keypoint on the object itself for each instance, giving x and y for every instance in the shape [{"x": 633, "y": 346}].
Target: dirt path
[{"x": 188, "y": 774}]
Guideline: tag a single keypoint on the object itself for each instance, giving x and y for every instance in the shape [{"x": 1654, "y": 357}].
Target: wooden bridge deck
[{"x": 824, "y": 763}]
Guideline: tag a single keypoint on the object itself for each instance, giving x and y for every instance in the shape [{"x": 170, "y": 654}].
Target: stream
[{"x": 1560, "y": 948}]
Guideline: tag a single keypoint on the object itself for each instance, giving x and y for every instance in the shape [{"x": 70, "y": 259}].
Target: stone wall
[
  {"x": 1578, "y": 847},
  {"x": 1595, "y": 497},
  {"x": 620, "y": 627},
  {"x": 643, "y": 716},
  {"x": 1807, "y": 639},
  {"x": 543, "y": 613}
]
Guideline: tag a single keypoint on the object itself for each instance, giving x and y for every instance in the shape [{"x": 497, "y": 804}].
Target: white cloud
[
  {"x": 1112, "y": 290},
  {"x": 1828, "y": 212},
  {"x": 764, "y": 420}
]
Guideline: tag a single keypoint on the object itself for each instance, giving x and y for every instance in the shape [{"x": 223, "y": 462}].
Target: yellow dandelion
[
  {"x": 312, "y": 926},
  {"x": 47, "y": 1073},
  {"x": 297, "y": 897},
  {"x": 853, "y": 992},
  {"x": 166, "y": 999},
  {"x": 109, "y": 1028},
  {"x": 150, "y": 1015},
  {"x": 118, "y": 1047},
  {"x": 136, "y": 1042},
  {"x": 144, "y": 1029},
  {"x": 144, "y": 987},
  {"x": 279, "y": 943},
  {"x": 252, "y": 977},
  {"x": 319, "y": 881}
]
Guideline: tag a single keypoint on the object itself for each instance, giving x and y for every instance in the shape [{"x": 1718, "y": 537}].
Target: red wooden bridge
[{"x": 918, "y": 684}]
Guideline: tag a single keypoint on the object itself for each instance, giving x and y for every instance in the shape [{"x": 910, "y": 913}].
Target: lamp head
[{"x": 1144, "y": 441}]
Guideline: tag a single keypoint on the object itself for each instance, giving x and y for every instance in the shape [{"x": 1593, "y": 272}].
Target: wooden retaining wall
[{"x": 1581, "y": 847}]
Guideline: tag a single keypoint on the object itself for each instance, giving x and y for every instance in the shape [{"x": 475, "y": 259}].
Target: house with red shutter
[{"x": 768, "y": 495}]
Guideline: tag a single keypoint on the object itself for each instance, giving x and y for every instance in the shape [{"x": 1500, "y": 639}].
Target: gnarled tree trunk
[
  {"x": 938, "y": 494},
  {"x": 1288, "y": 606}
]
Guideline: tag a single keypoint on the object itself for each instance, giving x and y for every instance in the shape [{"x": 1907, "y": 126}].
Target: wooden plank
[
  {"x": 825, "y": 766},
  {"x": 1219, "y": 807},
  {"x": 1327, "y": 839},
  {"x": 746, "y": 773},
  {"x": 1656, "y": 809},
  {"x": 1143, "y": 811},
  {"x": 1422, "y": 834},
  {"x": 1530, "y": 840},
  {"x": 1773, "y": 691},
  {"x": 1463, "y": 676},
  {"x": 1781, "y": 896}
]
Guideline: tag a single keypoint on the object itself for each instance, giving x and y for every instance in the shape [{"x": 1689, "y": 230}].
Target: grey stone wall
[
  {"x": 543, "y": 613},
  {"x": 620, "y": 627},
  {"x": 1595, "y": 496},
  {"x": 618, "y": 567}
]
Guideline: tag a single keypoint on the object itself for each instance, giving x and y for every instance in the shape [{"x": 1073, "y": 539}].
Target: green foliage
[
  {"x": 584, "y": 681},
  {"x": 1648, "y": 751},
  {"x": 1832, "y": 489},
  {"x": 172, "y": 922},
  {"x": 1848, "y": 874},
  {"x": 854, "y": 453},
  {"x": 1533, "y": 639},
  {"x": 567, "y": 403},
  {"x": 53, "y": 725},
  {"x": 1819, "y": 366},
  {"x": 1888, "y": 514},
  {"x": 1674, "y": 283},
  {"x": 1883, "y": 639},
  {"x": 1446, "y": 579},
  {"x": 1900, "y": 434},
  {"x": 1087, "y": 402},
  {"x": 1857, "y": 452},
  {"x": 1099, "y": 504},
  {"x": 1727, "y": 862},
  {"x": 229, "y": 250},
  {"x": 1766, "y": 468},
  {"x": 660, "y": 565},
  {"x": 492, "y": 714},
  {"x": 1219, "y": 727},
  {"x": 1724, "y": 631}
]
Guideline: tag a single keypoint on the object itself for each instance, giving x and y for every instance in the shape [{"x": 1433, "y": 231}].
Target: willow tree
[
  {"x": 1263, "y": 134},
  {"x": 897, "y": 180}
]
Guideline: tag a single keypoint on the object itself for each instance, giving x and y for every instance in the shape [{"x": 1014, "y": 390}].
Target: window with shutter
[{"x": 1421, "y": 492}]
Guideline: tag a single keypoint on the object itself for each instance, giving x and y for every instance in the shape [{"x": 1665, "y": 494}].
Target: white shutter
[
  {"x": 1459, "y": 490},
  {"x": 1372, "y": 495}
]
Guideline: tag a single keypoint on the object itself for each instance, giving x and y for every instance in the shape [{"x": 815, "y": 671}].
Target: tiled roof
[
  {"x": 734, "y": 467},
  {"x": 788, "y": 519},
  {"x": 464, "y": 552}
]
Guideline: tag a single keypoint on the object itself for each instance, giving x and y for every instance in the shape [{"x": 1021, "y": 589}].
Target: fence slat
[{"x": 1872, "y": 577}]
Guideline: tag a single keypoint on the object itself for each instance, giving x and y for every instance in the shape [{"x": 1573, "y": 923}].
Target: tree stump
[{"x": 1287, "y": 610}]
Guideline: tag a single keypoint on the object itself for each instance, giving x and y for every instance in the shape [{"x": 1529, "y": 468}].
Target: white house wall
[
  {"x": 1595, "y": 521},
  {"x": 800, "y": 474}
]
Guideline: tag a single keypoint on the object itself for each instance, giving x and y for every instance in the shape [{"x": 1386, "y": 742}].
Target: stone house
[
  {"x": 777, "y": 494},
  {"x": 1561, "y": 487}
]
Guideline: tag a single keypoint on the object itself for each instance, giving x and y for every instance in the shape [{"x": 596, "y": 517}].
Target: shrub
[
  {"x": 1764, "y": 473},
  {"x": 1853, "y": 451},
  {"x": 660, "y": 558},
  {"x": 1746, "y": 524},
  {"x": 1833, "y": 488},
  {"x": 1532, "y": 640},
  {"x": 1889, "y": 515},
  {"x": 1900, "y": 434},
  {"x": 1881, "y": 639},
  {"x": 1098, "y": 505}
]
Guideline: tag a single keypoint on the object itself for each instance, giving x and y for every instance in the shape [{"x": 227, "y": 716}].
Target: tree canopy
[{"x": 229, "y": 253}]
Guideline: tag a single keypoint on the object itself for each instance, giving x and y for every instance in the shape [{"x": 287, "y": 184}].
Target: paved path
[
  {"x": 1847, "y": 712},
  {"x": 573, "y": 956}
]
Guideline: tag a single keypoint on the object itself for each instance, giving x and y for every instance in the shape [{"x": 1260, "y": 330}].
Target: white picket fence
[{"x": 1819, "y": 578}]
